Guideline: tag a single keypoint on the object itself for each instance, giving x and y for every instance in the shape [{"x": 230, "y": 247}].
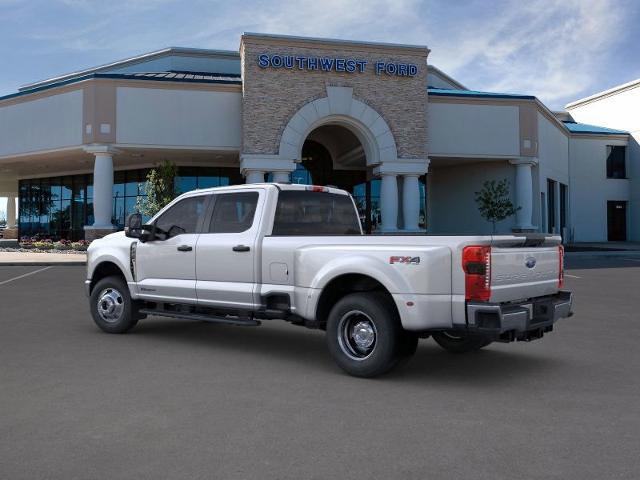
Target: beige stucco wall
[
  {"x": 272, "y": 96},
  {"x": 49, "y": 122}
]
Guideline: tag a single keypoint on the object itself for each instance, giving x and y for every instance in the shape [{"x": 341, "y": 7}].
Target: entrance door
[{"x": 617, "y": 221}]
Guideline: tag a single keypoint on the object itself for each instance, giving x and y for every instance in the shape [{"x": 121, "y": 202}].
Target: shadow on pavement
[{"x": 297, "y": 344}]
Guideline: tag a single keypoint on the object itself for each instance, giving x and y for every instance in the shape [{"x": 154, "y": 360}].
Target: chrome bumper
[{"x": 537, "y": 314}]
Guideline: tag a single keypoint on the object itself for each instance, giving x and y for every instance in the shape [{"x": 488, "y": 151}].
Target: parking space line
[
  {"x": 572, "y": 276},
  {"x": 25, "y": 275}
]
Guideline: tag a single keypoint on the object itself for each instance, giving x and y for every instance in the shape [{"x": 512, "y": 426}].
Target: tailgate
[{"x": 524, "y": 272}]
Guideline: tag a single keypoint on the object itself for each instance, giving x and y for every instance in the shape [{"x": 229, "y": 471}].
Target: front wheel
[
  {"x": 460, "y": 343},
  {"x": 112, "y": 308},
  {"x": 365, "y": 337}
]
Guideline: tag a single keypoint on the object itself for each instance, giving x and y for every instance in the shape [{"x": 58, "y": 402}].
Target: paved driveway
[{"x": 180, "y": 399}]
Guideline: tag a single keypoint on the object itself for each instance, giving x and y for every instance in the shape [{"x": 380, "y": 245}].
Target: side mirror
[{"x": 133, "y": 225}]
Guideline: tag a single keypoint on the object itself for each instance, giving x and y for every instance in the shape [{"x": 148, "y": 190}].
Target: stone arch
[{"x": 340, "y": 108}]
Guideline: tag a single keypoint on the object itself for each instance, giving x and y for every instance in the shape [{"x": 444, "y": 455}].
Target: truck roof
[{"x": 279, "y": 186}]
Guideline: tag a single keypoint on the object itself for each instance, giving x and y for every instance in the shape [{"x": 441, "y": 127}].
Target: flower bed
[{"x": 40, "y": 245}]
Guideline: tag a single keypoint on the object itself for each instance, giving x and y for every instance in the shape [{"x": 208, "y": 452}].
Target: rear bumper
[{"x": 520, "y": 320}]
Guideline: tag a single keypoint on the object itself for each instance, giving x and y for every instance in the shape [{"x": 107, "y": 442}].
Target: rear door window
[{"x": 233, "y": 212}]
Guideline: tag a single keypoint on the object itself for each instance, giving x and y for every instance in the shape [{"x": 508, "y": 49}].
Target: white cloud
[{"x": 553, "y": 49}]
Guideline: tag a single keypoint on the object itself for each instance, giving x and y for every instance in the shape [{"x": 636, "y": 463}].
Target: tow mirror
[{"x": 133, "y": 225}]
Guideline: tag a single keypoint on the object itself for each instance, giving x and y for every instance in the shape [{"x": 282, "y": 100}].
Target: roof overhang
[
  {"x": 145, "y": 57},
  {"x": 605, "y": 93}
]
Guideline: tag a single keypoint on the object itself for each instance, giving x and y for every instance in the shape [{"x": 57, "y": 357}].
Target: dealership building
[{"x": 410, "y": 143}]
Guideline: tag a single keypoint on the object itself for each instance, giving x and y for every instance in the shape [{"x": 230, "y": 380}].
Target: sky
[{"x": 558, "y": 50}]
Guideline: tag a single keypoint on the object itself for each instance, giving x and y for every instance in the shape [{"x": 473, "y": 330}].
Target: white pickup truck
[{"x": 247, "y": 253}]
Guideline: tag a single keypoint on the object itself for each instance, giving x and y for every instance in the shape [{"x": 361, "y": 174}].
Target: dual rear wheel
[{"x": 366, "y": 339}]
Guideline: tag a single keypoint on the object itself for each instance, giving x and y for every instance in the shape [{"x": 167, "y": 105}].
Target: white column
[
  {"x": 411, "y": 202},
  {"x": 389, "y": 202},
  {"x": 281, "y": 177},
  {"x": 102, "y": 190},
  {"x": 254, "y": 176},
  {"x": 11, "y": 212},
  {"x": 102, "y": 186},
  {"x": 524, "y": 193}
]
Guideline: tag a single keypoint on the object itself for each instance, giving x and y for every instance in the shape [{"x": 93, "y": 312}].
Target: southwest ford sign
[{"x": 334, "y": 64}]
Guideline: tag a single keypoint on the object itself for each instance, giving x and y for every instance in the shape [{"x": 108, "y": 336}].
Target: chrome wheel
[
  {"x": 110, "y": 305},
  {"x": 357, "y": 335}
]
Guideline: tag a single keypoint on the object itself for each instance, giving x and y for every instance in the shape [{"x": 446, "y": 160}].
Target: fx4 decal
[{"x": 404, "y": 260}]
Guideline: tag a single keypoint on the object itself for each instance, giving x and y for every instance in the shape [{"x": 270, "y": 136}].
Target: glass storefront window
[{"x": 60, "y": 207}]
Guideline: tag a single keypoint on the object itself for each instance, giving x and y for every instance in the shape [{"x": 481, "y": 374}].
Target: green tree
[
  {"x": 160, "y": 188},
  {"x": 494, "y": 203}
]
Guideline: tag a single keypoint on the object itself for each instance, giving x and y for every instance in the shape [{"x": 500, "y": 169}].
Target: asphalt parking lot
[{"x": 181, "y": 399}]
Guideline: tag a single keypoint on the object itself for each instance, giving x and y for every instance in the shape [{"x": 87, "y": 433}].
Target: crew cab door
[
  {"x": 226, "y": 254},
  {"x": 166, "y": 268}
]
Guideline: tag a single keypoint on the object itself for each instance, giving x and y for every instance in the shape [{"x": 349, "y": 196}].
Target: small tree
[
  {"x": 160, "y": 188},
  {"x": 494, "y": 203}
]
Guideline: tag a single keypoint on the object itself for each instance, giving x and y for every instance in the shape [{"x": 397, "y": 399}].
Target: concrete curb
[{"x": 617, "y": 253}]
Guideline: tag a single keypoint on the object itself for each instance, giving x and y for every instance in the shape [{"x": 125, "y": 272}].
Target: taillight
[
  {"x": 561, "y": 267},
  {"x": 476, "y": 263}
]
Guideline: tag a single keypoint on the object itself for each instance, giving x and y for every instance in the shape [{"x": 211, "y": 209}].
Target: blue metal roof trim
[
  {"x": 575, "y": 127},
  {"x": 445, "y": 92},
  {"x": 227, "y": 79}
]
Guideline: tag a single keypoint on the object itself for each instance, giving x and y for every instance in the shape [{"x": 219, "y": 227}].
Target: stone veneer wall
[{"x": 271, "y": 96}]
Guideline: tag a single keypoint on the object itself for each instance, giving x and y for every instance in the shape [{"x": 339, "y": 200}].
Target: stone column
[
  {"x": 102, "y": 191},
  {"x": 524, "y": 193},
  {"x": 389, "y": 202},
  {"x": 11, "y": 212},
  {"x": 411, "y": 202},
  {"x": 254, "y": 176},
  {"x": 281, "y": 177}
]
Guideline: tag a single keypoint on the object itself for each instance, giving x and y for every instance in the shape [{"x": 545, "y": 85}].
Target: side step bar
[{"x": 249, "y": 322}]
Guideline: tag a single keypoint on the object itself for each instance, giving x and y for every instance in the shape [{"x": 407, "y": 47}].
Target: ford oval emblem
[{"x": 530, "y": 262}]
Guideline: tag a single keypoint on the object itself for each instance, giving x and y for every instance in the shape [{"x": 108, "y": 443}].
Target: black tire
[
  {"x": 374, "y": 314},
  {"x": 111, "y": 306},
  {"x": 457, "y": 343}
]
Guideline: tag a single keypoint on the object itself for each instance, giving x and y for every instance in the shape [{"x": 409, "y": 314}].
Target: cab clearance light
[
  {"x": 316, "y": 188},
  {"x": 476, "y": 263}
]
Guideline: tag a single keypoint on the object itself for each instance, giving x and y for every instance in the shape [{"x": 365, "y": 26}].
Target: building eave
[
  {"x": 115, "y": 76},
  {"x": 292, "y": 39},
  {"x": 131, "y": 61},
  {"x": 605, "y": 93},
  {"x": 447, "y": 77}
]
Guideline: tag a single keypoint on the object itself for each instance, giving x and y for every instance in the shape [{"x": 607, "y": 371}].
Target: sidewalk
[{"x": 37, "y": 259}]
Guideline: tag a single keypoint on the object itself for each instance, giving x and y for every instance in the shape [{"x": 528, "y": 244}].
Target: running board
[{"x": 249, "y": 322}]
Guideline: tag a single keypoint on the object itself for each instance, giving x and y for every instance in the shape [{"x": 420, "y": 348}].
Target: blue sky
[{"x": 558, "y": 50}]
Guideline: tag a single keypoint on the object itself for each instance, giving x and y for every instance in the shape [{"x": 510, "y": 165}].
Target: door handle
[
  {"x": 241, "y": 248},
  {"x": 185, "y": 248}
]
